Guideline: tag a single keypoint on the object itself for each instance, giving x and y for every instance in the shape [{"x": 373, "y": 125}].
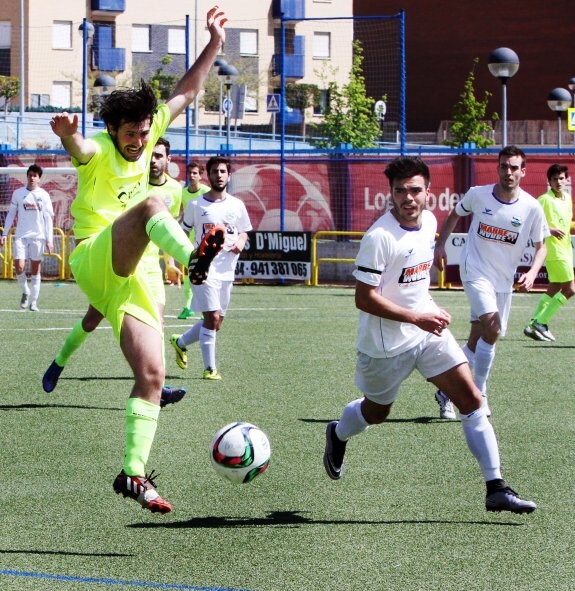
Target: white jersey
[
  {"x": 35, "y": 214},
  {"x": 202, "y": 214},
  {"x": 397, "y": 261},
  {"x": 498, "y": 235}
]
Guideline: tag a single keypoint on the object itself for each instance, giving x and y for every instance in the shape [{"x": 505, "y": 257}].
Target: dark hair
[
  {"x": 35, "y": 168},
  {"x": 512, "y": 151},
  {"x": 131, "y": 105},
  {"x": 195, "y": 164},
  {"x": 164, "y": 142},
  {"x": 405, "y": 168},
  {"x": 556, "y": 169},
  {"x": 218, "y": 160}
]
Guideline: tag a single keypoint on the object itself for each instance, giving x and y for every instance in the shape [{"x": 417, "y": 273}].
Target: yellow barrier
[
  {"x": 8, "y": 260},
  {"x": 327, "y": 235}
]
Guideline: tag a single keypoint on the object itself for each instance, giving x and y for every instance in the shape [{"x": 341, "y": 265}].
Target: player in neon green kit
[
  {"x": 114, "y": 221},
  {"x": 192, "y": 191},
  {"x": 558, "y": 209},
  {"x": 170, "y": 191}
]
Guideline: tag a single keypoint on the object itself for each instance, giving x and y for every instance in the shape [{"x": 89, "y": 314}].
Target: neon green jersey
[
  {"x": 108, "y": 184},
  {"x": 559, "y": 213},
  {"x": 187, "y": 196},
  {"x": 170, "y": 193}
]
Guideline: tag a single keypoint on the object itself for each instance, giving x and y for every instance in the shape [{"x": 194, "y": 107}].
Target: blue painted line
[{"x": 16, "y": 573}]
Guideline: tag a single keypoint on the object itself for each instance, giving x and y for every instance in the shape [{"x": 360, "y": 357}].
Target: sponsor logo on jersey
[
  {"x": 487, "y": 211},
  {"x": 32, "y": 206},
  {"x": 488, "y": 232},
  {"x": 418, "y": 272}
]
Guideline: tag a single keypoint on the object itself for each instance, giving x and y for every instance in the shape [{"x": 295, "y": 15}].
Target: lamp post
[
  {"x": 226, "y": 74},
  {"x": 559, "y": 100},
  {"x": 503, "y": 64},
  {"x": 571, "y": 86},
  {"x": 86, "y": 30},
  {"x": 219, "y": 62},
  {"x": 103, "y": 86}
]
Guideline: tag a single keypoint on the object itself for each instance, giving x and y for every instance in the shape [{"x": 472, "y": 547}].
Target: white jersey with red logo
[
  {"x": 397, "y": 261},
  {"x": 498, "y": 235},
  {"x": 202, "y": 214},
  {"x": 35, "y": 214}
]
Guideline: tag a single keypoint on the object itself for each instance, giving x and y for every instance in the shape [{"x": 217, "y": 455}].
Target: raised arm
[
  {"x": 65, "y": 126},
  {"x": 191, "y": 83}
]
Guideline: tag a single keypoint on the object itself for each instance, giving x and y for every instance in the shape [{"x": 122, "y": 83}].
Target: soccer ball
[{"x": 240, "y": 452}]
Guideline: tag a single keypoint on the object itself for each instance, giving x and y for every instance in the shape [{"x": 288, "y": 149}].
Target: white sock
[
  {"x": 470, "y": 356},
  {"x": 35, "y": 282},
  {"x": 482, "y": 443},
  {"x": 352, "y": 421},
  {"x": 23, "y": 283},
  {"x": 484, "y": 356},
  {"x": 208, "y": 347},
  {"x": 192, "y": 335}
]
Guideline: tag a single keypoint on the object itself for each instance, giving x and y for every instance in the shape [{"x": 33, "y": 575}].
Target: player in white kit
[
  {"x": 505, "y": 219},
  {"x": 213, "y": 209},
  {"x": 401, "y": 329},
  {"x": 33, "y": 235}
]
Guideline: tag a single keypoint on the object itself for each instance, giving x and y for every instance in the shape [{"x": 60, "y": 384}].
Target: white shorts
[
  {"x": 28, "y": 248},
  {"x": 483, "y": 299},
  {"x": 380, "y": 378},
  {"x": 213, "y": 295}
]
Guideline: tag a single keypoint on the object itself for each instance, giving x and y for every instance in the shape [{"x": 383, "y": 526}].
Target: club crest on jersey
[
  {"x": 515, "y": 222},
  {"x": 415, "y": 273},
  {"x": 488, "y": 232}
]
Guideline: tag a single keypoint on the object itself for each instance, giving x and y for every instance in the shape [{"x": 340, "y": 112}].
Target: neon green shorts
[
  {"x": 112, "y": 295},
  {"x": 150, "y": 265},
  {"x": 559, "y": 271}
]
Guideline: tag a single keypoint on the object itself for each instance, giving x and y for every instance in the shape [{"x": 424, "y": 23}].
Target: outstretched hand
[
  {"x": 64, "y": 125},
  {"x": 216, "y": 22}
]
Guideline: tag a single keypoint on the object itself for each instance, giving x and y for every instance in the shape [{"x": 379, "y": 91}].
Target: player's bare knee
[{"x": 373, "y": 413}]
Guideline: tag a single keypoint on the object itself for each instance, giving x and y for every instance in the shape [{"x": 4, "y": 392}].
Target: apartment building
[{"x": 133, "y": 39}]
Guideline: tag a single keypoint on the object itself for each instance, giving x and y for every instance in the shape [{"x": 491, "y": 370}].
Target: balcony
[
  {"x": 292, "y": 9},
  {"x": 294, "y": 62},
  {"x": 108, "y": 6},
  {"x": 109, "y": 59}
]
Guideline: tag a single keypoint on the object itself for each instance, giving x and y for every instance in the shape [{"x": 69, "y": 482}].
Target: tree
[
  {"x": 302, "y": 96},
  {"x": 349, "y": 117},
  {"x": 163, "y": 84},
  {"x": 469, "y": 124},
  {"x": 9, "y": 88}
]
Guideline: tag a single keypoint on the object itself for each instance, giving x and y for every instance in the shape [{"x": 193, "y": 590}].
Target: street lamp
[
  {"x": 103, "y": 86},
  {"x": 559, "y": 100},
  {"x": 219, "y": 62},
  {"x": 226, "y": 74},
  {"x": 571, "y": 86},
  {"x": 86, "y": 30},
  {"x": 503, "y": 64}
]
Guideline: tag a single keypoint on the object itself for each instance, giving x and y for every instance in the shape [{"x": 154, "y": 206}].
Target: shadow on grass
[
  {"x": 296, "y": 519},
  {"x": 417, "y": 420},
  {"x": 7, "y": 407},
  {"x": 64, "y": 553}
]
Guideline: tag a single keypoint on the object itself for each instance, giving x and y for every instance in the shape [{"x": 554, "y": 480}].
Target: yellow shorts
[
  {"x": 112, "y": 295},
  {"x": 150, "y": 265},
  {"x": 559, "y": 271}
]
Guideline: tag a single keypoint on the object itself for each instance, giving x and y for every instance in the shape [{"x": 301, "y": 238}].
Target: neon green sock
[
  {"x": 187, "y": 293},
  {"x": 557, "y": 301},
  {"x": 165, "y": 232},
  {"x": 72, "y": 343},
  {"x": 542, "y": 303},
  {"x": 141, "y": 422}
]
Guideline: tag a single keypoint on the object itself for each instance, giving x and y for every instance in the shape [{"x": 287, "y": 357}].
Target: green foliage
[
  {"x": 9, "y": 88},
  {"x": 469, "y": 124},
  {"x": 163, "y": 84},
  {"x": 349, "y": 117},
  {"x": 301, "y": 96}
]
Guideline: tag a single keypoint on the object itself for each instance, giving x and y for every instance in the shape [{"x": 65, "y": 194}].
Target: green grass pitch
[{"x": 408, "y": 515}]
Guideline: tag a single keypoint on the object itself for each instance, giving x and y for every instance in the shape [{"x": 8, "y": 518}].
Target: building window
[
  {"x": 39, "y": 100},
  {"x": 321, "y": 45},
  {"x": 141, "y": 36},
  {"x": 62, "y": 35},
  {"x": 5, "y": 34},
  {"x": 320, "y": 107},
  {"x": 62, "y": 94},
  {"x": 177, "y": 40},
  {"x": 248, "y": 42}
]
